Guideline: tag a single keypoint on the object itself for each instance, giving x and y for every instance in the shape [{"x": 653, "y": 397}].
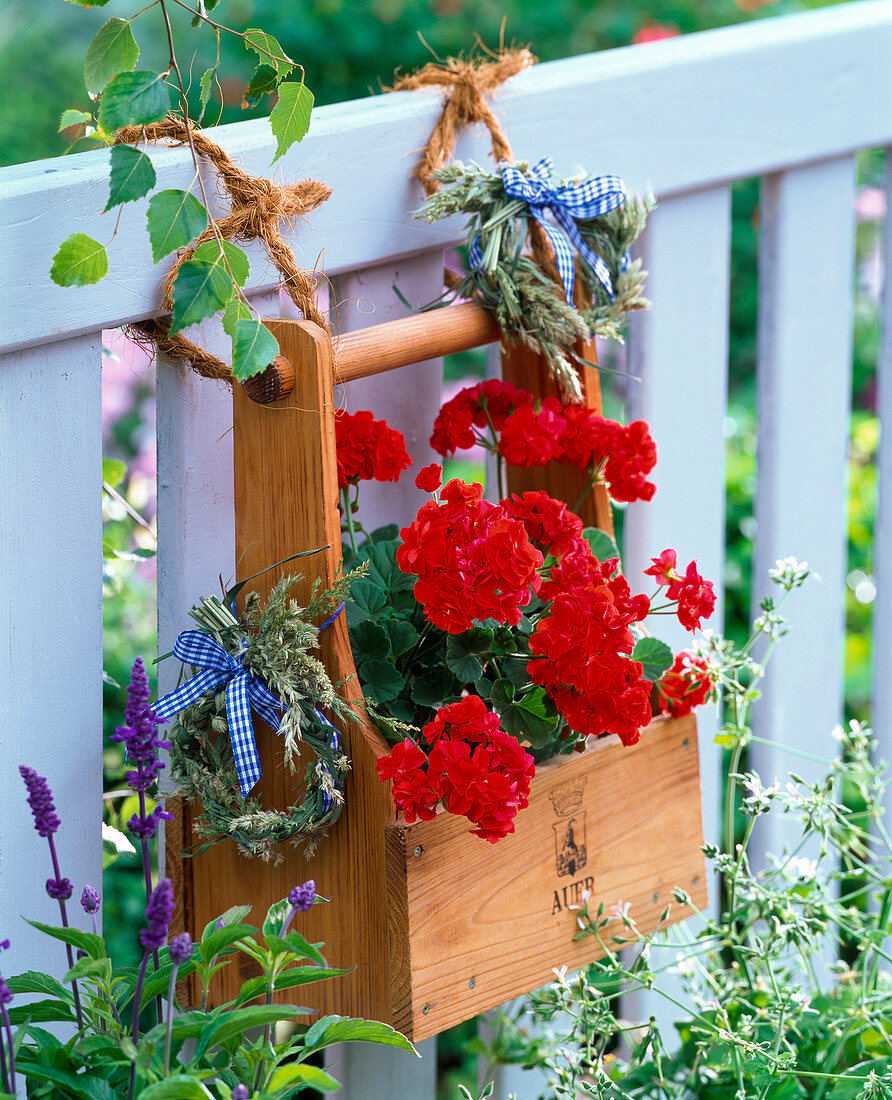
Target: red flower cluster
[
  {"x": 687, "y": 684},
  {"x": 473, "y": 560},
  {"x": 550, "y": 524},
  {"x": 581, "y": 649},
  {"x": 533, "y": 433},
  {"x": 367, "y": 448},
  {"x": 475, "y": 769},
  {"x": 694, "y": 595}
]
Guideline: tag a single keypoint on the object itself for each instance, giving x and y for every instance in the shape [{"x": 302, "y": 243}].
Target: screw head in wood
[
  {"x": 418, "y": 851},
  {"x": 425, "y": 1009},
  {"x": 471, "y": 983},
  {"x": 272, "y": 384}
]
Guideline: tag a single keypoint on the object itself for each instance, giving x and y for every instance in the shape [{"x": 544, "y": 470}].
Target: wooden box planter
[{"x": 440, "y": 925}]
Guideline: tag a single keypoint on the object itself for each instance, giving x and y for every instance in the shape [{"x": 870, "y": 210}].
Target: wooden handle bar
[{"x": 384, "y": 347}]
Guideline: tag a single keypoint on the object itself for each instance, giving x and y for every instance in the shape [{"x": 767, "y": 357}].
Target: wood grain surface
[
  {"x": 440, "y": 925},
  {"x": 479, "y": 923}
]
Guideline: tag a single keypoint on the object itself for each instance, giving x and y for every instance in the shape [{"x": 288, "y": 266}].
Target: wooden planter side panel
[
  {"x": 286, "y": 502},
  {"x": 485, "y": 923},
  {"x": 523, "y": 367}
]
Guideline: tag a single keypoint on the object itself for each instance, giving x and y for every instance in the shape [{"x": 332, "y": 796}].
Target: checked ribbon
[
  {"x": 244, "y": 693},
  {"x": 568, "y": 203}
]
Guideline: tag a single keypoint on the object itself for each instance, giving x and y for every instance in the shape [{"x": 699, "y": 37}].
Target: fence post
[{"x": 51, "y": 624}]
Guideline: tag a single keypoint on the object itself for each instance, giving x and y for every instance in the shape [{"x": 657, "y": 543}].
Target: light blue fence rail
[{"x": 789, "y": 100}]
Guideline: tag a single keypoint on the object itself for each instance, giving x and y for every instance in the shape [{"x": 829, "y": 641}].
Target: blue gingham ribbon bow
[
  {"x": 244, "y": 693},
  {"x": 588, "y": 199}
]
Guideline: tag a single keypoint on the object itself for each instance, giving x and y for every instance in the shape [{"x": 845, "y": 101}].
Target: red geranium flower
[
  {"x": 368, "y": 448},
  {"x": 696, "y": 597},
  {"x": 687, "y": 684},
  {"x": 473, "y": 560},
  {"x": 430, "y": 478},
  {"x": 530, "y": 437}
]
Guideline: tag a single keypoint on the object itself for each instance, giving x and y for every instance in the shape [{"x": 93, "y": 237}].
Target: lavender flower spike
[
  {"x": 158, "y": 913},
  {"x": 181, "y": 948},
  {"x": 40, "y": 799},
  {"x": 240, "y": 1092},
  {"x": 139, "y": 732},
  {"x": 180, "y": 951},
  {"x": 90, "y": 900},
  {"x": 46, "y": 822},
  {"x": 300, "y": 899}
]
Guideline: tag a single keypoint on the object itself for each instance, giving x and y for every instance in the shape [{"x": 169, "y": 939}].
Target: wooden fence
[{"x": 789, "y": 100}]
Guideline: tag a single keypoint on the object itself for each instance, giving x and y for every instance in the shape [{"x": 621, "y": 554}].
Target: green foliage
[
  {"x": 199, "y": 291},
  {"x": 173, "y": 219},
  {"x": 654, "y": 655},
  {"x": 253, "y": 347},
  {"x": 133, "y": 99},
  {"x": 200, "y": 1053},
  {"x": 766, "y": 1016},
  {"x": 290, "y": 118},
  {"x": 132, "y": 175},
  {"x": 112, "y": 51},
  {"x": 80, "y": 261}
]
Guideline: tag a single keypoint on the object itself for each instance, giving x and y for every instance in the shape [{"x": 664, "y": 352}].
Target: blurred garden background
[{"x": 350, "y": 49}]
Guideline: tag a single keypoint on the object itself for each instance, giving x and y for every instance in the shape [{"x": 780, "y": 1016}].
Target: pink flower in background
[{"x": 653, "y": 31}]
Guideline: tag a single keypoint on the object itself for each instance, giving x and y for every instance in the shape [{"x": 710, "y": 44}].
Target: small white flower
[
  {"x": 621, "y": 910},
  {"x": 560, "y": 973}
]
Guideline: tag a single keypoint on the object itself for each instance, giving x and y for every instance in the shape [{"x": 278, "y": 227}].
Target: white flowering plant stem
[{"x": 766, "y": 1017}]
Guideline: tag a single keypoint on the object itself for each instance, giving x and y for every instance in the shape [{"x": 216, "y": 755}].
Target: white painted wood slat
[
  {"x": 804, "y": 371},
  {"x": 679, "y": 350},
  {"x": 882, "y": 550},
  {"x": 697, "y": 110},
  {"x": 51, "y": 625}
]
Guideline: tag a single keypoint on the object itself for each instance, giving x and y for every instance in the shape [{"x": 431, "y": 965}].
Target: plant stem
[
  {"x": 147, "y": 878},
  {"x": 8, "y": 1079},
  {"x": 171, "y": 990},
  {"x": 137, "y": 997},
  {"x": 238, "y": 34},
  {"x": 64, "y": 912},
  {"x": 348, "y": 515}
]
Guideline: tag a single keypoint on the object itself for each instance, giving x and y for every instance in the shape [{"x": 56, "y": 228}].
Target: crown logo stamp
[
  {"x": 567, "y": 799},
  {"x": 569, "y": 830}
]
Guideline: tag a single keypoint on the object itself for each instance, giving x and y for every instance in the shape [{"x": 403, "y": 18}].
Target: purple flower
[
  {"x": 90, "y": 900},
  {"x": 144, "y": 828},
  {"x": 159, "y": 910},
  {"x": 181, "y": 948},
  {"x": 59, "y": 888},
  {"x": 240, "y": 1092},
  {"x": 5, "y": 995},
  {"x": 303, "y": 896},
  {"x": 40, "y": 799},
  {"x": 139, "y": 732}
]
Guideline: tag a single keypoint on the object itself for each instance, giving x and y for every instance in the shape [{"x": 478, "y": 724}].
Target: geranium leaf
[
  {"x": 80, "y": 261},
  {"x": 290, "y": 118},
  {"x": 132, "y": 175},
  {"x": 458, "y": 660},
  {"x": 199, "y": 291},
  {"x": 654, "y": 655},
  {"x": 381, "y": 681},
  {"x": 173, "y": 219},
  {"x": 72, "y": 117},
  {"x": 269, "y": 51},
  {"x": 112, "y": 51},
  {"x": 369, "y": 641},
  {"x": 133, "y": 99},
  {"x": 253, "y": 348},
  {"x": 602, "y": 545}
]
